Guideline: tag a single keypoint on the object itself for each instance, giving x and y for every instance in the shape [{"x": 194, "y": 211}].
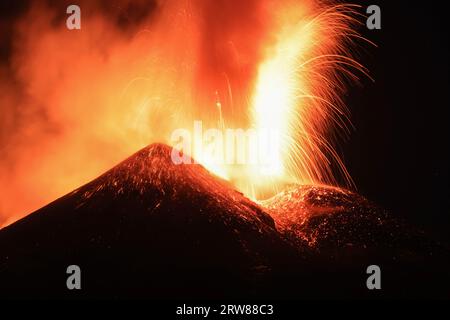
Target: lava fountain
[
  {"x": 90, "y": 98},
  {"x": 297, "y": 94},
  {"x": 299, "y": 91}
]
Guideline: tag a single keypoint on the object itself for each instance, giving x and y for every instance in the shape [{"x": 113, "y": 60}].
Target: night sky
[{"x": 398, "y": 154}]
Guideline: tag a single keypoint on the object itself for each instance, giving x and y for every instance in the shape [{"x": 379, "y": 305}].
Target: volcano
[{"x": 148, "y": 228}]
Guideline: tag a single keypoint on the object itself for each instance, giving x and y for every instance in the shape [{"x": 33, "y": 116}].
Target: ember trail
[{"x": 296, "y": 96}]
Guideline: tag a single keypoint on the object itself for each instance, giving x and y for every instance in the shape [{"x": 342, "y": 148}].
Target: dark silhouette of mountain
[
  {"x": 150, "y": 228},
  {"x": 147, "y": 227},
  {"x": 345, "y": 232}
]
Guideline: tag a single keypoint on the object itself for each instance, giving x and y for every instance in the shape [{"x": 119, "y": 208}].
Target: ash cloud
[
  {"x": 74, "y": 103},
  {"x": 40, "y": 139}
]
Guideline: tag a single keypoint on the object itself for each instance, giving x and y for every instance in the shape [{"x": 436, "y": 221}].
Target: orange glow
[
  {"x": 298, "y": 93},
  {"x": 74, "y": 103}
]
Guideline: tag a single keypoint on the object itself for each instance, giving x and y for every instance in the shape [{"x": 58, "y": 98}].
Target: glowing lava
[
  {"x": 298, "y": 94},
  {"x": 89, "y": 99}
]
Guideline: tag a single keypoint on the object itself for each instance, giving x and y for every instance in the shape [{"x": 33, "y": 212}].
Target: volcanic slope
[
  {"x": 344, "y": 233},
  {"x": 151, "y": 229},
  {"x": 146, "y": 228}
]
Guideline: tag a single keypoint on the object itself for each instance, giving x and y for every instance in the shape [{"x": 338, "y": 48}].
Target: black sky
[{"x": 398, "y": 154}]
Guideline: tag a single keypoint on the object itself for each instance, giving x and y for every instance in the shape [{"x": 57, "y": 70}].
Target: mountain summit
[{"x": 147, "y": 227}]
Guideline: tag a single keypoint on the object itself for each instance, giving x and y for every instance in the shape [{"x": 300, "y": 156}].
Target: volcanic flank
[{"x": 150, "y": 228}]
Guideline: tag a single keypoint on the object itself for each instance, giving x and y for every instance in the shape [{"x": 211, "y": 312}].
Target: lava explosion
[
  {"x": 299, "y": 88},
  {"x": 74, "y": 103}
]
